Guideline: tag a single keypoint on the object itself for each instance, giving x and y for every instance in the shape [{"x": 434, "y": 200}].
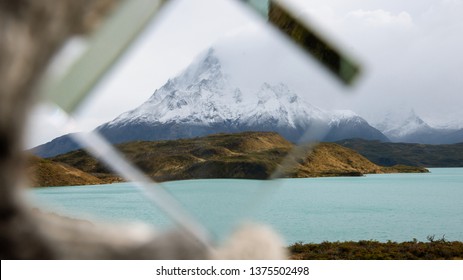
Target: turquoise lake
[{"x": 397, "y": 207}]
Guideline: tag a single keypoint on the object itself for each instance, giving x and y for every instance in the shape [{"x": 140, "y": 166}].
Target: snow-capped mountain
[
  {"x": 451, "y": 125},
  {"x": 202, "y": 100},
  {"x": 413, "y": 129},
  {"x": 396, "y": 128},
  {"x": 203, "y": 95},
  {"x": 346, "y": 124}
]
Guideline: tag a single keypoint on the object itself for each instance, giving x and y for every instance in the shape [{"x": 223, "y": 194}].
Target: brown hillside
[
  {"x": 251, "y": 155},
  {"x": 329, "y": 159},
  {"x": 46, "y": 173}
]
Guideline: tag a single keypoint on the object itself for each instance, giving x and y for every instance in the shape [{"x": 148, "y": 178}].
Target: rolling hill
[
  {"x": 47, "y": 173},
  {"x": 249, "y": 155},
  {"x": 389, "y": 154}
]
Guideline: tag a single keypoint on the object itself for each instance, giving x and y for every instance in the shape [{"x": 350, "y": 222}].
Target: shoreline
[{"x": 320, "y": 176}]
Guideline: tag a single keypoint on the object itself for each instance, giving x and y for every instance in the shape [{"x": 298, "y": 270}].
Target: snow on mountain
[
  {"x": 412, "y": 128},
  {"x": 339, "y": 116},
  {"x": 202, "y": 100},
  {"x": 453, "y": 124},
  {"x": 203, "y": 96},
  {"x": 396, "y": 128},
  {"x": 346, "y": 124}
]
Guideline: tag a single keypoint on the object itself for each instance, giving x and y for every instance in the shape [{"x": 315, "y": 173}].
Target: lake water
[{"x": 396, "y": 207}]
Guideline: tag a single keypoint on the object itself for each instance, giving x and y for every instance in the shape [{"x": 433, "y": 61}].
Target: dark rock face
[
  {"x": 57, "y": 146},
  {"x": 359, "y": 128}
]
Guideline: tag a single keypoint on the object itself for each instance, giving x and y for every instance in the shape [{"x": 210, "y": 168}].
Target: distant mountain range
[
  {"x": 202, "y": 100},
  {"x": 412, "y": 129}
]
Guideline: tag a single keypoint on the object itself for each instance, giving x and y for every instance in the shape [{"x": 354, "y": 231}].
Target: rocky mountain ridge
[
  {"x": 202, "y": 100},
  {"x": 411, "y": 128}
]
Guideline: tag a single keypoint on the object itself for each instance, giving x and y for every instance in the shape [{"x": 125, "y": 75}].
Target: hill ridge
[
  {"x": 246, "y": 155},
  {"x": 415, "y": 154}
]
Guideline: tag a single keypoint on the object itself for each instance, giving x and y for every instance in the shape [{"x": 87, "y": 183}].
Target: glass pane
[{"x": 211, "y": 96}]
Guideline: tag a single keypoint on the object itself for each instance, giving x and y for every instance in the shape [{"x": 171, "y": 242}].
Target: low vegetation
[
  {"x": 49, "y": 173},
  {"x": 389, "y": 154},
  {"x": 434, "y": 249},
  {"x": 248, "y": 155}
]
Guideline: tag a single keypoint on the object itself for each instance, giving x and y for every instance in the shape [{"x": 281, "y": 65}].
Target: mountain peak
[
  {"x": 345, "y": 114},
  {"x": 414, "y": 118},
  {"x": 401, "y": 126},
  {"x": 206, "y": 62},
  {"x": 205, "y": 68},
  {"x": 202, "y": 99},
  {"x": 210, "y": 57}
]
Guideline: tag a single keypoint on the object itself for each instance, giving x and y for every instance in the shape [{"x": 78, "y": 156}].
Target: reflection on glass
[
  {"x": 232, "y": 87},
  {"x": 208, "y": 97}
]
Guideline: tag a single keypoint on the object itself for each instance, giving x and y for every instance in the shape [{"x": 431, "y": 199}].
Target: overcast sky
[{"x": 410, "y": 52}]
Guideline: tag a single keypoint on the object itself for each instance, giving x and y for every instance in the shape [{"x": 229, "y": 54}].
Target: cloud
[{"x": 381, "y": 18}]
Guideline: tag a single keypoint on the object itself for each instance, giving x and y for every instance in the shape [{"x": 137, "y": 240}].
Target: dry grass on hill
[{"x": 247, "y": 155}]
